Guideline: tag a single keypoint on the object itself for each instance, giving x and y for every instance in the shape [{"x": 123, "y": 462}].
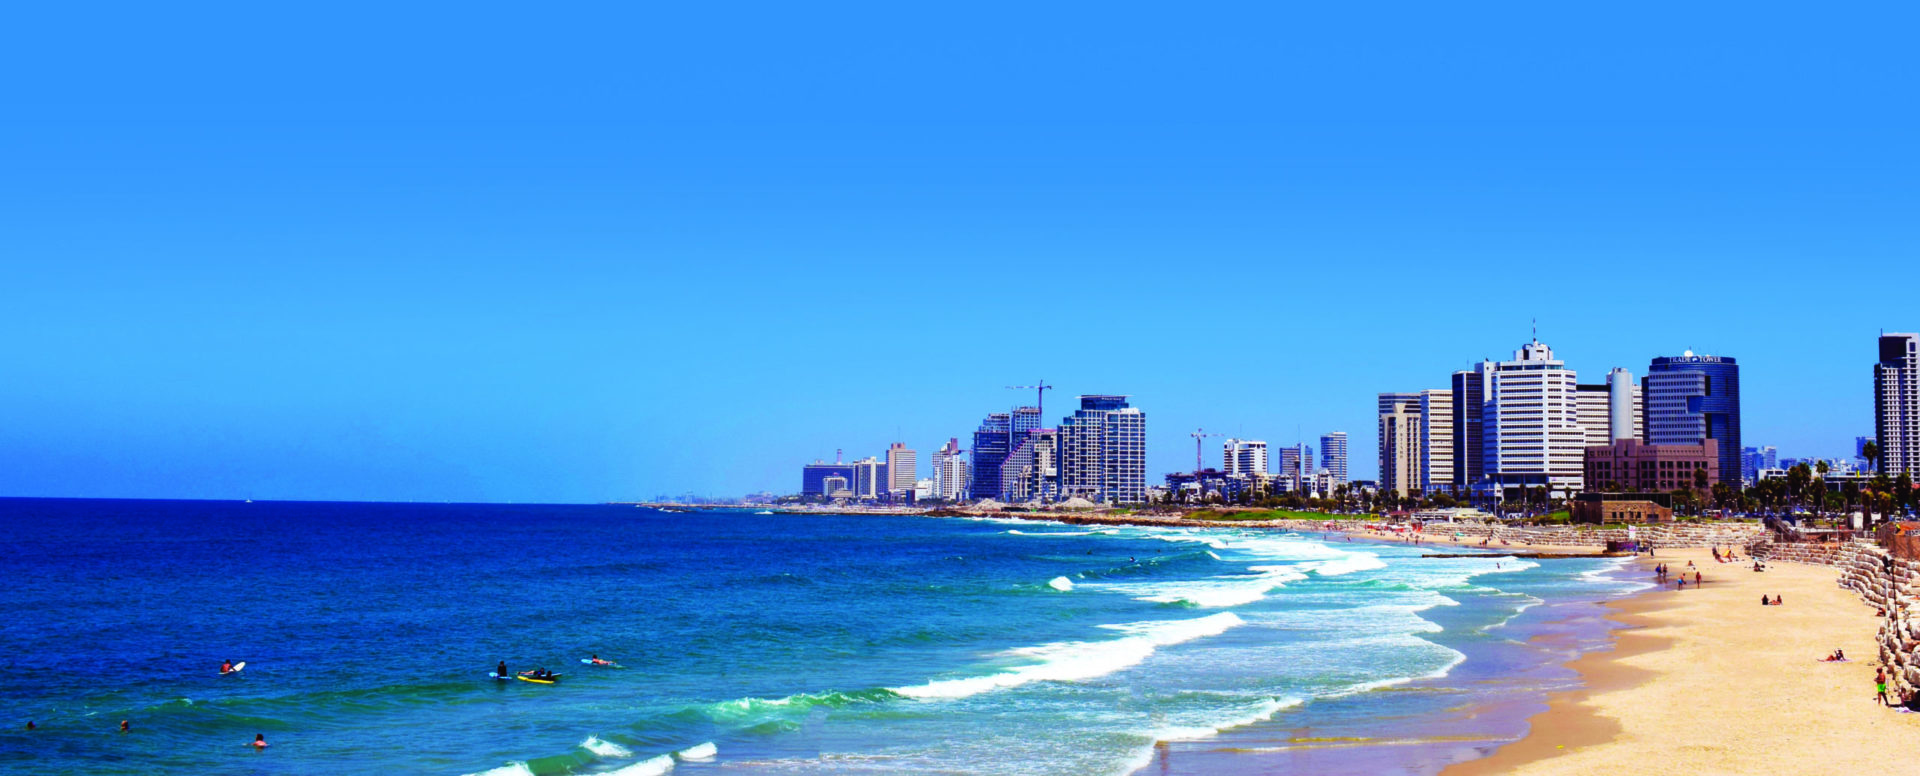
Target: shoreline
[{"x": 1705, "y": 680}]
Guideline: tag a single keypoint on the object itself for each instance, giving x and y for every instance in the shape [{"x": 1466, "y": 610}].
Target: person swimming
[
  {"x": 123, "y": 726},
  {"x": 259, "y": 740},
  {"x": 226, "y": 667}
]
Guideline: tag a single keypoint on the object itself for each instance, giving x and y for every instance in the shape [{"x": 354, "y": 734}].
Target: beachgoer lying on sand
[{"x": 1837, "y": 657}]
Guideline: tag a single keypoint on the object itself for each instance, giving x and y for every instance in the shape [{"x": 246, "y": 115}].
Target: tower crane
[{"x": 1198, "y": 435}]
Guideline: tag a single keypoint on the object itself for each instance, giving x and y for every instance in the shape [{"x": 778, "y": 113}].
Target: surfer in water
[
  {"x": 259, "y": 740},
  {"x": 597, "y": 661},
  {"x": 501, "y": 671},
  {"x": 226, "y": 667}
]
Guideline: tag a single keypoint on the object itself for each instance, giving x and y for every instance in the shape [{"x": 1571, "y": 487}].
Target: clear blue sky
[{"x": 508, "y": 252}]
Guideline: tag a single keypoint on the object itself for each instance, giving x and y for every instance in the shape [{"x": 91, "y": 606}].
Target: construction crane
[
  {"x": 1039, "y": 396},
  {"x": 1198, "y": 435}
]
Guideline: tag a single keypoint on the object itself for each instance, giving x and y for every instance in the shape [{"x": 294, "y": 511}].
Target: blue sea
[{"x": 755, "y": 643}]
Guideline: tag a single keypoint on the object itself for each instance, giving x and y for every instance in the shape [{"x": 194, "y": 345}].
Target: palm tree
[{"x": 1870, "y": 451}]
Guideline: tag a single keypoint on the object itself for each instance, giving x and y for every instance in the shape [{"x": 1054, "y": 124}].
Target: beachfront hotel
[
  {"x": 1531, "y": 434},
  {"x": 1896, "y": 403},
  {"x": 1103, "y": 452},
  {"x": 1399, "y": 430}
]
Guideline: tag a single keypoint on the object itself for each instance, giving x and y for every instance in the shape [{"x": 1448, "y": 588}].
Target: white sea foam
[
  {"x": 706, "y": 751},
  {"x": 1070, "y": 661},
  {"x": 652, "y": 766},
  {"x": 1061, "y": 584},
  {"x": 1359, "y": 561},
  {"x": 1018, "y": 532},
  {"x": 1395, "y": 681},
  {"x": 1259, "y": 712},
  {"x": 1216, "y": 592},
  {"x": 510, "y": 769},
  {"x": 1211, "y": 541},
  {"x": 603, "y": 748}
]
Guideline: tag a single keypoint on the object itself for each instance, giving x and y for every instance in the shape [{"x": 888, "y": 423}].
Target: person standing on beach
[
  {"x": 1696, "y": 579},
  {"x": 1880, "y": 687}
]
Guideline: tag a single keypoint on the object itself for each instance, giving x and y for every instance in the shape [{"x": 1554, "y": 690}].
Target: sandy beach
[{"x": 1707, "y": 681}]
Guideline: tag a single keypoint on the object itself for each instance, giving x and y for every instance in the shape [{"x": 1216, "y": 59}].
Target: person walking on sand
[
  {"x": 1880, "y": 687},
  {"x": 1696, "y": 579}
]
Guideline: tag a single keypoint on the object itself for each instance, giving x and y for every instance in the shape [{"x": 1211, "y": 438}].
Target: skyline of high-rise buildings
[{"x": 1536, "y": 423}]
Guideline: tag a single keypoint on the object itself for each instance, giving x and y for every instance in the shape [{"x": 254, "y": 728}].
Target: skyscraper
[
  {"x": 1896, "y": 404},
  {"x": 1531, "y": 433},
  {"x": 1399, "y": 428},
  {"x": 1469, "y": 398},
  {"x": 903, "y": 467},
  {"x": 950, "y": 472},
  {"x": 1289, "y": 465},
  {"x": 990, "y": 448},
  {"x": 1691, "y": 399},
  {"x": 1595, "y": 406},
  {"x": 1436, "y": 441},
  {"x": 1103, "y": 452},
  {"x": 1243, "y": 457},
  {"x": 1751, "y": 462},
  {"x": 870, "y": 480},
  {"x": 1026, "y": 420},
  {"x": 1333, "y": 456}
]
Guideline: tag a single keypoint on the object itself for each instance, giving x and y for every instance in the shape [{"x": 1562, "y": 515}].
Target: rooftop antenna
[{"x": 836, "y": 455}]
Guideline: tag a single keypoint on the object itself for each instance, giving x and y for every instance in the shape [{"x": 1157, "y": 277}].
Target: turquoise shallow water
[{"x": 785, "y": 644}]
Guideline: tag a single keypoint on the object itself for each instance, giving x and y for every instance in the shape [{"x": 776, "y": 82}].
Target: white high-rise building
[
  {"x": 1246, "y": 457},
  {"x": 1896, "y": 404},
  {"x": 1531, "y": 432},
  {"x": 1400, "y": 436},
  {"x": 1436, "y": 441},
  {"x": 950, "y": 472},
  {"x": 1103, "y": 452},
  {"x": 870, "y": 478},
  {"x": 1333, "y": 456},
  {"x": 903, "y": 467},
  {"x": 1595, "y": 403}
]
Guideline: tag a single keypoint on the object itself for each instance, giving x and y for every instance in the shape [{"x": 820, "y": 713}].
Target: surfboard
[
  {"x": 535, "y": 681},
  {"x": 237, "y": 667},
  {"x": 609, "y": 664},
  {"x": 497, "y": 677}
]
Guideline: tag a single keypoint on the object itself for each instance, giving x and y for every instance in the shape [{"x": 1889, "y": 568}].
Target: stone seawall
[
  {"x": 1676, "y": 535},
  {"x": 1884, "y": 582}
]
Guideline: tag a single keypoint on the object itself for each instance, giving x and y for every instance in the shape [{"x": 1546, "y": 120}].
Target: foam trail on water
[
  {"x": 1069, "y": 661},
  {"x": 652, "y": 766},
  {"x": 1260, "y": 712},
  {"x": 1218, "y": 592},
  {"x": 510, "y": 769},
  {"x": 1018, "y": 532},
  {"x": 1061, "y": 584},
  {"x": 605, "y": 748},
  {"x": 706, "y": 751}
]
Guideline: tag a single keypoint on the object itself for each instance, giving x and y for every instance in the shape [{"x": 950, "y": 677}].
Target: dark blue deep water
[{"x": 757, "y": 642}]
